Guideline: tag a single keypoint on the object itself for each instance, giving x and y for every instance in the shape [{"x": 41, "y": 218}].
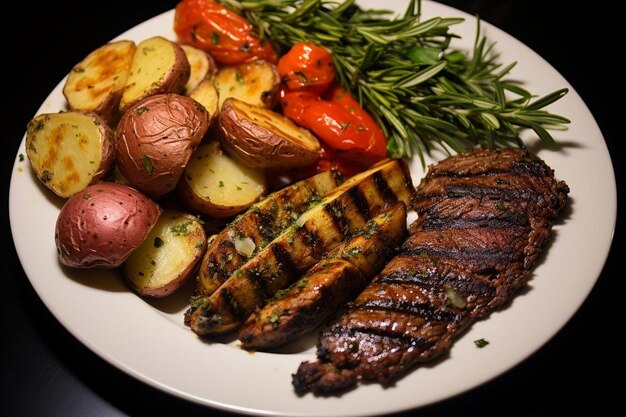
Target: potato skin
[
  {"x": 155, "y": 139},
  {"x": 264, "y": 140},
  {"x": 101, "y": 225}
]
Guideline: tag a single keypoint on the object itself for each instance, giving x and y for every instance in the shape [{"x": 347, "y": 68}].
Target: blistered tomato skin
[
  {"x": 225, "y": 35},
  {"x": 307, "y": 67},
  {"x": 295, "y": 103}
]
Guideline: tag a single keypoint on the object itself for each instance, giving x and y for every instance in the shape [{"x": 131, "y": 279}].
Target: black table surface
[{"x": 45, "y": 371}]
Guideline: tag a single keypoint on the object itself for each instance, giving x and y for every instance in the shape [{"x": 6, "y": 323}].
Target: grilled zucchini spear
[
  {"x": 340, "y": 214},
  {"x": 328, "y": 285},
  {"x": 253, "y": 230}
]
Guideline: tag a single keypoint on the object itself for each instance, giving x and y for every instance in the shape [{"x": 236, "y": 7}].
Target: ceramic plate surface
[{"x": 147, "y": 339}]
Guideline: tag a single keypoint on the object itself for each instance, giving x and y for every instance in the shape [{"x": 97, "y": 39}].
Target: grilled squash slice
[
  {"x": 338, "y": 215},
  {"x": 339, "y": 276},
  {"x": 242, "y": 238}
]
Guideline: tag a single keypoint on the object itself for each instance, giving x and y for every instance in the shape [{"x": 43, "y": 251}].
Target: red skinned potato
[
  {"x": 155, "y": 139},
  {"x": 262, "y": 138},
  {"x": 101, "y": 225}
]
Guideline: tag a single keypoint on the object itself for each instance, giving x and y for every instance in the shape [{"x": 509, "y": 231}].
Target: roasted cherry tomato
[
  {"x": 344, "y": 126},
  {"x": 294, "y": 103},
  {"x": 377, "y": 141},
  {"x": 227, "y": 36},
  {"x": 307, "y": 67}
]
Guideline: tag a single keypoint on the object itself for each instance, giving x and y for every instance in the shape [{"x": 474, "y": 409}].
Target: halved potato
[
  {"x": 155, "y": 139},
  {"x": 216, "y": 185},
  {"x": 158, "y": 66},
  {"x": 205, "y": 93},
  {"x": 262, "y": 138},
  {"x": 97, "y": 82},
  {"x": 202, "y": 66},
  {"x": 167, "y": 257},
  {"x": 101, "y": 225},
  {"x": 256, "y": 83},
  {"x": 69, "y": 151}
]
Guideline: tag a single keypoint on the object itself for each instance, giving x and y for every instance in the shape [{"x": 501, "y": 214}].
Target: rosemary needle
[{"x": 403, "y": 71}]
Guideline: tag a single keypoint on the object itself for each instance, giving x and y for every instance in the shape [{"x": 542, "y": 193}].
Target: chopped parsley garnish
[
  {"x": 147, "y": 164},
  {"x": 181, "y": 229},
  {"x": 481, "y": 343},
  {"x": 239, "y": 77}
]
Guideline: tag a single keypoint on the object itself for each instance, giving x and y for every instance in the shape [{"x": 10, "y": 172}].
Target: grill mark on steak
[
  {"x": 483, "y": 218},
  {"x": 425, "y": 310}
]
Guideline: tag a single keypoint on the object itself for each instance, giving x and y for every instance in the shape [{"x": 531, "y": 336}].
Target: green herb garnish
[
  {"x": 481, "y": 343},
  {"x": 421, "y": 92},
  {"x": 147, "y": 164}
]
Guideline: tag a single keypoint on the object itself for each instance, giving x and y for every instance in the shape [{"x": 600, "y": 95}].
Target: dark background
[{"x": 45, "y": 371}]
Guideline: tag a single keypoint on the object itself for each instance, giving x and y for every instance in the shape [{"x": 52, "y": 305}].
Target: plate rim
[{"x": 229, "y": 407}]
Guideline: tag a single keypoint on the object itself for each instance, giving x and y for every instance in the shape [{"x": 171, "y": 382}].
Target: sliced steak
[{"x": 483, "y": 218}]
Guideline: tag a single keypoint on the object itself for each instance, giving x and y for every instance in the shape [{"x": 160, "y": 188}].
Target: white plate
[{"x": 148, "y": 340}]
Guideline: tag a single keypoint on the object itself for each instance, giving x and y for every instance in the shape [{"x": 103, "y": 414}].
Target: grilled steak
[
  {"x": 339, "y": 276},
  {"x": 483, "y": 218}
]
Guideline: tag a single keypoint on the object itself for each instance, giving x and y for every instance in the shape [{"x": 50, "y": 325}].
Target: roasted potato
[
  {"x": 167, "y": 257},
  {"x": 101, "y": 225},
  {"x": 256, "y": 83},
  {"x": 262, "y": 138},
  {"x": 158, "y": 66},
  {"x": 155, "y": 139},
  {"x": 97, "y": 82},
  {"x": 205, "y": 93},
  {"x": 69, "y": 151},
  {"x": 216, "y": 185},
  {"x": 202, "y": 67}
]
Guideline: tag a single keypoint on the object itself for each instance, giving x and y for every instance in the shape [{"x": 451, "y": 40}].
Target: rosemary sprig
[{"x": 401, "y": 69}]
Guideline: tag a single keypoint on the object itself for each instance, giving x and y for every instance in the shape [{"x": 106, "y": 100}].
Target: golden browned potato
[
  {"x": 202, "y": 66},
  {"x": 69, "y": 151},
  {"x": 96, "y": 83},
  {"x": 167, "y": 257},
  {"x": 155, "y": 139},
  {"x": 101, "y": 225},
  {"x": 216, "y": 185},
  {"x": 158, "y": 66},
  {"x": 262, "y": 138},
  {"x": 206, "y": 94},
  {"x": 256, "y": 83}
]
